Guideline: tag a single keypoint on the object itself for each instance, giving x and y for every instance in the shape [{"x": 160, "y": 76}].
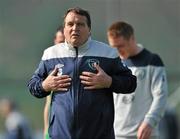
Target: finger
[
  {"x": 89, "y": 87},
  {"x": 54, "y": 72},
  {"x": 98, "y": 68},
  {"x": 85, "y": 78},
  {"x": 139, "y": 136},
  {"x": 55, "y": 86},
  {"x": 62, "y": 89},
  {"x": 86, "y": 83},
  {"x": 62, "y": 78},
  {"x": 90, "y": 74},
  {"x": 64, "y": 85},
  {"x": 143, "y": 136},
  {"x": 147, "y": 135},
  {"x": 64, "y": 81}
]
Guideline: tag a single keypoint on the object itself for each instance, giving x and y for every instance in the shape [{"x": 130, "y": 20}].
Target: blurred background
[{"x": 27, "y": 27}]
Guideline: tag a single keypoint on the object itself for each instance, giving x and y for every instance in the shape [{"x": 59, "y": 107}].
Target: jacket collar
[{"x": 83, "y": 47}]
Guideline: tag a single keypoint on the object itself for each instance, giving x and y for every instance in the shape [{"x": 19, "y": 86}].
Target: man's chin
[{"x": 76, "y": 44}]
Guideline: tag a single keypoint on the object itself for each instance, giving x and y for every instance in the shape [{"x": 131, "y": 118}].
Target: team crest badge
[{"x": 91, "y": 63}]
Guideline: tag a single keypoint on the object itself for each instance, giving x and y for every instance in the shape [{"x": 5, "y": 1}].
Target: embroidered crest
[{"x": 91, "y": 63}]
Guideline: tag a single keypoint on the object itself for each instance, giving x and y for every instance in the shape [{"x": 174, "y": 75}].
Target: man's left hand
[{"x": 96, "y": 80}]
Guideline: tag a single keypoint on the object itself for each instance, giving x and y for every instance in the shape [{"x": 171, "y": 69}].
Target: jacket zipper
[{"x": 76, "y": 93}]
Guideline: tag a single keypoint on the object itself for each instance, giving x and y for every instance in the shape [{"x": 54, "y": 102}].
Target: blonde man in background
[{"x": 137, "y": 115}]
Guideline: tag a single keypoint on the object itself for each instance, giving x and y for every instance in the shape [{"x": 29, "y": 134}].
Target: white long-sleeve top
[{"x": 147, "y": 103}]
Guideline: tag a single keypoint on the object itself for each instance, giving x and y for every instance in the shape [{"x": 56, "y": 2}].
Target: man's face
[
  {"x": 4, "y": 109},
  {"x": 76, "y": 30},
  {"x": 123, "y": 45},
  {"x": 59, "y": 37}
]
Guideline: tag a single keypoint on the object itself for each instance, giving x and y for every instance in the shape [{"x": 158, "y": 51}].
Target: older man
[{"x": 82, "y": 73}]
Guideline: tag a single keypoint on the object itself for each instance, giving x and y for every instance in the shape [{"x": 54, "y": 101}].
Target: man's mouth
[{"x": 75, "y": 35}]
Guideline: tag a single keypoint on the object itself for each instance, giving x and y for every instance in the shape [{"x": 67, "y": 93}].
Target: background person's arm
[
  {"x": 159, "y": 93},
  {"x": 46, "y": 114},
  {"x": 122, "y": 79}
]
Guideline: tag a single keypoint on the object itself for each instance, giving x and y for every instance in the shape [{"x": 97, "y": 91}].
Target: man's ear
[
  {"x": 133, "y": 37},
  {"x": 89, "y": 33}
]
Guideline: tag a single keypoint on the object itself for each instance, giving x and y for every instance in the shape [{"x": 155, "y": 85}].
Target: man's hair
[
  {"x": 120, "y": 28},
  {"x": 81, "y": 12},
  {"x": 60, "y": 28},
  {"x": 7, "y": 102}
]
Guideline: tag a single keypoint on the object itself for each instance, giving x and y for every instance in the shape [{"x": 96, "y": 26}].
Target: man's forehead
[
  {"x": 117, "y": 38},
  {"x": 71, "y": 16}
]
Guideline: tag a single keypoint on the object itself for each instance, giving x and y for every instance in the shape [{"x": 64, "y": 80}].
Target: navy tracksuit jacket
[{"x": 79, "y": 113}]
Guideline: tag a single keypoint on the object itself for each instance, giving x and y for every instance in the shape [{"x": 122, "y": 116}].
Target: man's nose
[{"x": 75, "y": 26}]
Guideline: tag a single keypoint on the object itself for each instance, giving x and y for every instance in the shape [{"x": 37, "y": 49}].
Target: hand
[
  {"x": 56, "y": 83},
  {"x": 96, "y": 80},
  {"x": 144, "y": 131}
]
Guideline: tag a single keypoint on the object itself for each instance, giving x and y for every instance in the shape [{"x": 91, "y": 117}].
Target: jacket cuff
[{"x": 151, "y": 122}]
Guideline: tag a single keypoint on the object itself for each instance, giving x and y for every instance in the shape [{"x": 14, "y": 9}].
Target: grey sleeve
[{"x": 159, "y": 92}]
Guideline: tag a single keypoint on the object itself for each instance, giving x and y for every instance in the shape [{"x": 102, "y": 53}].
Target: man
[
  {"x": 82, "y": 101},
  {"x": 16, "y": 124},
  {"x": 137, "y": 115},
  {"x": 58, "y": 38}
]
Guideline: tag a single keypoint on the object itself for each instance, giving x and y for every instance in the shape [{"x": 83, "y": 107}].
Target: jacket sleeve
[
  {"x": 35, "y": 83},
  {"x": 159, "y": 92},
  {"x": 122, "y": 79}
]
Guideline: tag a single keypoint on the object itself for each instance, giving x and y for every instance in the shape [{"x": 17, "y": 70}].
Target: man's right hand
[
  {"x": 56, "y": 83},
  {"x": 144, "y": 131}
]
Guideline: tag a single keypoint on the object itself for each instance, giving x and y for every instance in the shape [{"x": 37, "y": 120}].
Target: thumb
[
  {"x": 98, "y": 68},
  {"x": 54, "y": 72}
]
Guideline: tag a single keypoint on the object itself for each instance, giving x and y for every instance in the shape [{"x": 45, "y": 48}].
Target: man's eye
[
  {"x": 81, "y": 24},
  {"x": 70, "y": 24}
]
